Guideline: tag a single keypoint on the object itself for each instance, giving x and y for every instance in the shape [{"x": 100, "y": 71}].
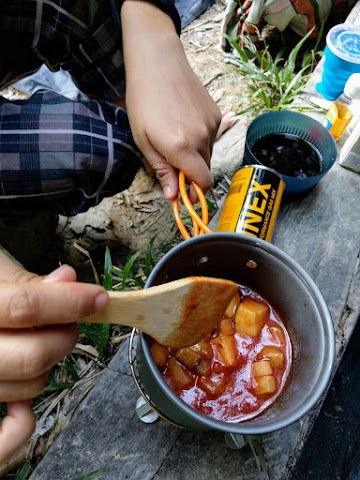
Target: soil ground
[{"x": 201, "y": 40}]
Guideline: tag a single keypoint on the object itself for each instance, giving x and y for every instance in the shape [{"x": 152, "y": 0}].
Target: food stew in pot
[{"x": 237, "y": 371}]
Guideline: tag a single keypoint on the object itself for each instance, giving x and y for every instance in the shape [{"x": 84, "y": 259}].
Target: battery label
[
  {"x": 252, "y": 203},
  {"x": 234, "y": 201}
]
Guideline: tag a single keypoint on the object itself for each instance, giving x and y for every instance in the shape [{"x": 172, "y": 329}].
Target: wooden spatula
[{"x": 176, "y": 314}]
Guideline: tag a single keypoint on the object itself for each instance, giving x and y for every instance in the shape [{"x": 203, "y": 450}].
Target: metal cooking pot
[{"x": 285, "y": 284}]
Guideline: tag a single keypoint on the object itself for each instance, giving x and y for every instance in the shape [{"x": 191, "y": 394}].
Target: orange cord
[{"x": 200, "y": 224}]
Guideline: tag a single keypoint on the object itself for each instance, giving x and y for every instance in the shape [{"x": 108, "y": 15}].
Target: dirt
[{"x": 201, "y": 40}]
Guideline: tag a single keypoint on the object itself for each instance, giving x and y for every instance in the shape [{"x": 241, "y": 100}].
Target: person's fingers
[
  {"x": 65, "y": 273},
  {"x": 149, "y": 170},
  {"x": 12, "y": 273},
  {"x": 196, "y": 169},
  {"x": 27, "y": 354},
  {"x": 16, "y": 428},
  {"x": 12, "y": 391},
  {"x": 252, "y": 29},
  {"x": 227, "y": 121},
  {"x": 167, "y": 175},
  {"x": 246, "y": 4},
  {"x": 43, "y": 303}
]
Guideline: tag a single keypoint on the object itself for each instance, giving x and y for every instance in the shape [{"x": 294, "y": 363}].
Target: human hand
[
  {"x": 52, "y": 303},
  {"x": 173, "y": 119}
]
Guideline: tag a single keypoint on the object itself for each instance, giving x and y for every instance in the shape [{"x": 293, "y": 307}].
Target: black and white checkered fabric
[
  {"x": 71, "y": 154},
  {"x": 81, "y": 36},
  {"x": 53, "y": 149}
]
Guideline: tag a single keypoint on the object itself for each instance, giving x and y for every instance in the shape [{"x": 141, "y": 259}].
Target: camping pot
[{"x": 289, "y": 289}]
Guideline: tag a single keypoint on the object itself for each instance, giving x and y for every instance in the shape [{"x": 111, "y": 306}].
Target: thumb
[
  {"x": 167, "y": 175},
  {"x": 12, "y": 271}
]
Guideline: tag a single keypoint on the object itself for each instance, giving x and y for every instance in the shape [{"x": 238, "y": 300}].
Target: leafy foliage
[
  {"x": 119, "y": 279},
  {"x": 25, "y": 471},
  {"x": 91, "y": 475},
  {"x": 274, "y": 83}
]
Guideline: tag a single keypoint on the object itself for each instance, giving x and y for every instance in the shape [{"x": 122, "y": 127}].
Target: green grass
[
  {"x": 91, "y": 475},
  {"x": 275, "y": 83},
  {"x": 119, "y": 279}
]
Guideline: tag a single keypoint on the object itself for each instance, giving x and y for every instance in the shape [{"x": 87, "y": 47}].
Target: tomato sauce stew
[{"x": 237, "y": 371}]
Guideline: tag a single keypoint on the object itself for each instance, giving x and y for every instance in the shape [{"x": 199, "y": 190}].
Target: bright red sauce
[{"x": 231, "y": 392}]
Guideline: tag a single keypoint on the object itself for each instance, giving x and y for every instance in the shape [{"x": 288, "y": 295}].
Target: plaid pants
[{"x": 52, "y": 149}]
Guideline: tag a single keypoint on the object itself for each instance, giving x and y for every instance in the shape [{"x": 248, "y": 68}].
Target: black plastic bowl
[
  {"x": 286, "y": 285},
  {"x": 303, "y": 126}
]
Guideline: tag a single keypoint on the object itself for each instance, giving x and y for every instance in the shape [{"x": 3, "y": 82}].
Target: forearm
[
  {"x": 166, "y": 6},
  {"x": 142, "y": 17},
  {"x": 172, "y": 117},
  {"x": 148, "y": 34}
]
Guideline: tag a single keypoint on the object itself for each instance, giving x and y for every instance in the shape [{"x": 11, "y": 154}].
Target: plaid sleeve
[
  {"x": 69, "y": 154},
  {"x": 83, "y": 37}
]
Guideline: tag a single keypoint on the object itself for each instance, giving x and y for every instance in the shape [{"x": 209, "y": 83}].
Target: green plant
[
  {"x": 24, "y": 472},
  {"x": 91, "y": 475},
  {"x": 274, "y": 83},
  {"x": 133, "y": 275}
]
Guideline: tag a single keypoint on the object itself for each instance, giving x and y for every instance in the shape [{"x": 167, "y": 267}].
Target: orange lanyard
[{"x": 200, "y": 224}]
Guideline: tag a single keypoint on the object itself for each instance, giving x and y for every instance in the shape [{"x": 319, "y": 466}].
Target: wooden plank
[{"x": 105, "y": 432}]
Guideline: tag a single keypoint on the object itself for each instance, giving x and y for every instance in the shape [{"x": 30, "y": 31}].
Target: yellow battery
[{"x": 252, "y": 202}]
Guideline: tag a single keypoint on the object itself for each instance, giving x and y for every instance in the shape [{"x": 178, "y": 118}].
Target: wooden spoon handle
[
  {"x": 180, "y": 312},
  {"x": 152, "y": 310},
  {"x": 126, "y": 308}
]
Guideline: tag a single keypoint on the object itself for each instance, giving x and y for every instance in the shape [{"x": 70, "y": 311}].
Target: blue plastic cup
[{"x": 342, "y": 59}]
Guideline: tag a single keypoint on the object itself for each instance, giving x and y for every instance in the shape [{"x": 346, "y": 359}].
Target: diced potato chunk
[
  {"x": 159, "y": 354},
  {"x": 193, "y": 361},
  {"x": 213, "y": 386},
  {"x": 265, "y": 385},
  {"x": 188, "y": 357},
  {"x": 203, "y": 367},
  {"x": 226, "y": 347},
  {"x": 275, "y": 355},
  {"x": 178, "y": 376},
  {"x": 261, "y": 368},
  {"x": 250, "y": 316},
  {"x": 231, "y": 309},
  {"x": 278, "y": 335},
  {"x": 204, "y": 348},
  {"x": 226, "y": 327}
]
